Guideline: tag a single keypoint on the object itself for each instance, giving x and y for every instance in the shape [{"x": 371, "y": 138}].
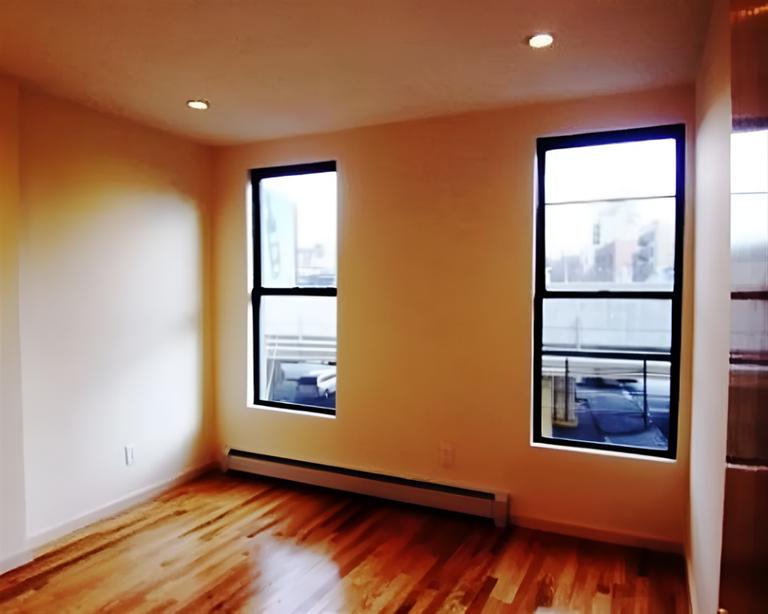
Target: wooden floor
[{"x": 241, "y": 544}]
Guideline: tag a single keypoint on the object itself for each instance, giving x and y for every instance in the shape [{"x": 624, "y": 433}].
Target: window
[
  {"x": 293, "y": 297},
  {"x": 608, "y": 290},
  {"x": 749, "y": 249}
]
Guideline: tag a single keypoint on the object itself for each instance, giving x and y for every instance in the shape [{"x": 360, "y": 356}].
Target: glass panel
[
  {"x": 617, "y": 402},
  {"x": 608, "y": 324},
  {"x": 298, "y": 350},
  {"x": 626, "y": 245},
  {"x": 620, "y": 170},
  {"x": 298, "y": 230},
  {"x": 749, "y": 161},
  {"x": 749, "y": 330},
  {"x": 749, "y": 242}
]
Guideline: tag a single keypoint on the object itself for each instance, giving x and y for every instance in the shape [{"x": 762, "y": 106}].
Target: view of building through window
[
  {"x": 298, "y": 230},
  {"x": 297, "y": 316},
  {"x": 611, "y": 245},
  {"x": 605, "y": 292}
]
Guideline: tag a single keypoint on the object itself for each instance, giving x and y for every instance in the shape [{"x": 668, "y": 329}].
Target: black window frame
[
  {"x": 543, "y": 145},
  {"x": 259, "y": 291}
]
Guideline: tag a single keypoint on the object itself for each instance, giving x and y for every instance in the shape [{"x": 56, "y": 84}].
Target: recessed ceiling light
[
  {"x": 199, "y": 104},
  {"x": 541, "y": 40}
]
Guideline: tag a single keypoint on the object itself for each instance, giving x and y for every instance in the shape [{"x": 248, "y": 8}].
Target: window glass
[
  {"x": 608, "y": 307},
  {"x": 298, "y": 230},
  {"x": 596, "y": 324},
  {"x": 298, "y": 350},
  {"x": 749, "y": 242},
  {"x": 749, "y": 249},
  {"x": 618, "y": 245},
  {"x": 638, "y": 169},
  {"x": 749, "y": 162},
  {"x": 293, "y": 308},
  {"x": 606, "y": 401},
  {"x": 748, "y": 341}
]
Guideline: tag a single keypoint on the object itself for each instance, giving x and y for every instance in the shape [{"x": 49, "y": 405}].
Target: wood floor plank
[{"x": 234, "y": 543}]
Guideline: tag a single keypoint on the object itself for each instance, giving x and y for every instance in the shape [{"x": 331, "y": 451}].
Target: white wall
[
  {"x": 109, "y": 227},
  {"x": 711, "y": 315},
  {"x": 12, "y": 508},
  {"x": 104, "y": 312},
  {"x": 435, "y": 316}
]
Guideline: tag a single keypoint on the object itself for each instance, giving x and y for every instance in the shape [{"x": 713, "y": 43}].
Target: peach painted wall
[
  {"x": 711, "y": 314},
  {"x": 435, "y": 298},
  {"x": 113, "y": 268}
]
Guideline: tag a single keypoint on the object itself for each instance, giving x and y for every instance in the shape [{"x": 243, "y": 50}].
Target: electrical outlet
[
  {"x": 447, "y": 454},
  {"x": 129, "y": 454}
]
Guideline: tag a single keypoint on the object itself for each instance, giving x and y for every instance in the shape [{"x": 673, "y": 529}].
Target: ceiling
[{"x": 274, "y": 68}]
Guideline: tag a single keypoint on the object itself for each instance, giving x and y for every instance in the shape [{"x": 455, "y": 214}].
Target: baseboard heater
[{"x": 493, "y": 505}]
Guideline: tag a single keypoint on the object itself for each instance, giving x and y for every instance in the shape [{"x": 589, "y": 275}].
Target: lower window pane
[
  {"x": 606, "y": 401},
  {"x": 298, "y": 350}
]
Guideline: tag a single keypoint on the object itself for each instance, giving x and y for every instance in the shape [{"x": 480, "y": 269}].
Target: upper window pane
[
  {"x": 749, "y": 162},
  {"x": 298, "y": 230},
  {"x": 617, "y": 245},
  {"x": 638, "y": 169}
]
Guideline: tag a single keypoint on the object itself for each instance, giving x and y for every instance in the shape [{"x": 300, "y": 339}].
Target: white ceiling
[{"x": 273, "y": 68}]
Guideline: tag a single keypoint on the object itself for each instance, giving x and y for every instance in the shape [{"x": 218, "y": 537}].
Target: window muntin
[
  {"x": 294, "y": 287},
  {"x": 608, "y": 297}
]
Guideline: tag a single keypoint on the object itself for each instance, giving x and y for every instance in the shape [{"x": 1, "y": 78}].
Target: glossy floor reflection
[{"x": 242, "y": 544}]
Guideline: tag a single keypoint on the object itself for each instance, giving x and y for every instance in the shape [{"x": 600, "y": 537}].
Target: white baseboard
[
  {"x": 498, "y": 510},
  {"x": 37, "y": 543},
  {"x": 489, "y": 504},
  {"x": 600, "y": 535}
]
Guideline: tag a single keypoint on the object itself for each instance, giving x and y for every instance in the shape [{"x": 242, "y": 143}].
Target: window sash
[
  {"x": 259, "y": 290},
  {"x": 541, "y": 292}
]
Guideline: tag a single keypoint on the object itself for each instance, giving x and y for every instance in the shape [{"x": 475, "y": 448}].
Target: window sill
[
  {"x": 290, "y": 410},
  {"x": 612, "y": 453}
]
